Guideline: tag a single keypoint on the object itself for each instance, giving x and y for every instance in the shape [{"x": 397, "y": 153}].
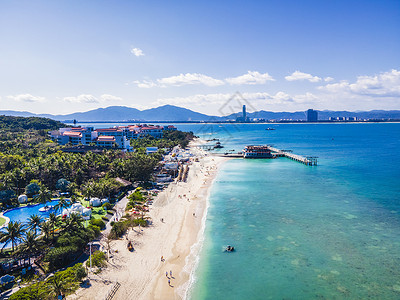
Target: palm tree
[
  {"x": 46, "y": 228},
  {"x": 59, "y": 285},
  {"x": 44, "y": 196},
  {"x": 13, "y": 232},
  {"x": 73, "y": 223},
  {"x": 30, "y": 244},
  {"x": 53, "y": 221},
  {"x": 62, "y": 203},
  {"x": 34, "y": 222}
]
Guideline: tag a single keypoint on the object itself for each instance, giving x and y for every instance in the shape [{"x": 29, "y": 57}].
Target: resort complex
[
  {"x": 117, "y": 137},
  {"x": 68, "y": 208}
]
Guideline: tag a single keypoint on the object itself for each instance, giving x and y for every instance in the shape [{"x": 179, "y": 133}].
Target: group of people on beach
[
  {"x": 169, "y": 278},
  {"x": 166, "y": 273}
]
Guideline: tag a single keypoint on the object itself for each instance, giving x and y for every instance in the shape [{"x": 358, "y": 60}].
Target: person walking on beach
[
  {"x": 162, "y": 258},
  {"x": 166, "y": 274},
  {"x": 170, "y": 273},
  {"x": 169, "y": 282}
]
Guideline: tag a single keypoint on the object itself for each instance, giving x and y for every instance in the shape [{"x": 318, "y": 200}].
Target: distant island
[{"x": 170, "y": 113}]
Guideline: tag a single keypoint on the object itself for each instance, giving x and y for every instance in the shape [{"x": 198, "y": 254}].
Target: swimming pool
[{"x": 22, "y": 214}]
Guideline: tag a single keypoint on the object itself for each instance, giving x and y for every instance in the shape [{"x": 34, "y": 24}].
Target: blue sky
[{"x": 65, "y": 56}]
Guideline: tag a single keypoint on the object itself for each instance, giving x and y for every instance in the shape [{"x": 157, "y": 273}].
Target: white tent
[
  {"x": 86, "y": 212},
  {"x": 105, "y": 200},
  {"x": 95, "y": 202},
  {"x": 22, "y": 199}
]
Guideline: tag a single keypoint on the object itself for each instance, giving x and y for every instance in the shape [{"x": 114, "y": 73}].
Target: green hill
[{"x": 19, "y": 123}]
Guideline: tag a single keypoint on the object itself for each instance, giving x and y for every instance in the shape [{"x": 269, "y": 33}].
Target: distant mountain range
[{"x": 172, "y": 113}]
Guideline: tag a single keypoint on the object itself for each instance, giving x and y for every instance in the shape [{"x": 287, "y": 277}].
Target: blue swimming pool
[{"x": 23, "y": 213}]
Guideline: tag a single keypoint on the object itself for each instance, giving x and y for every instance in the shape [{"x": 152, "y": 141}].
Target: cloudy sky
[{"x": 66, "y": 56}]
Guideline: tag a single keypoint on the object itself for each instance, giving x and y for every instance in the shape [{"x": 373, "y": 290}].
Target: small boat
[
  {"x": 229, "y": 249},
  {"x": 269, "y": 128},
  {"x": 218, "y": 145},
  {"x": 46, "y": 208}
]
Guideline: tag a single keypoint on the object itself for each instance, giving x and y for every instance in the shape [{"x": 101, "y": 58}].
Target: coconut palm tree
[
  {"x": 13, "y": 233},
  {"x": 53, "y": 222},
  {"x": 44, "y": 196},
  {"x": 30, "y": 244},
  {"x": 73, "y": 223},
  {"x": 58, "y": 285},
  {"x": 46, "y": 228},
  {"x": 34, "y": 222},
  {"x": 62, "y": 203}
]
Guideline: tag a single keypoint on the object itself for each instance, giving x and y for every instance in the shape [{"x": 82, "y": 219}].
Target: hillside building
[{"x": 115, "y": 137}]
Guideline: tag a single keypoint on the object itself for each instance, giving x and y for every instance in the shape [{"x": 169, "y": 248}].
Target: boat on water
[
  {"x": 229, "y": 249},
  {"x": 218, "y": 145},
  {"x": 46, "y": 208},
  {"x": 257, "y": 152},
  {"x": 269, "y": 128}
]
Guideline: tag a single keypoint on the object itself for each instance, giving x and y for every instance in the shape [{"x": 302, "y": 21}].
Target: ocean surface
[
  {"x": 330, "y": 231},
  {"x": 326, "y": 232}
]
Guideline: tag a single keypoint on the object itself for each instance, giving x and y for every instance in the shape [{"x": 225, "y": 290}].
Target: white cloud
[
  {"x": 180, "y": 80},
  {"x": 87, "y": 98},
  {"x": 252, "y": 77},
  {"x": 26, "y": 98},
  {"x": 385, "y": 84},
  {"x": 137, "y": 52},
  {"x": 145, "y": 84},
  {"x": 84, "y": 98},
  {"x": 297, "y": 75},
  {"x": 328, "y": 79},
  {"x": 189, "y": 78},
  {"x": 110, "y": 98}
]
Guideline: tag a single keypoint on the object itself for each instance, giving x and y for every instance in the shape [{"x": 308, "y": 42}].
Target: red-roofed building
[{"x": 118, "y": 136}]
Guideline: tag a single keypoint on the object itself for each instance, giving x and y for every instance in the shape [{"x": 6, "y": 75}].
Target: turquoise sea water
[{"x": 325, "y": 232}]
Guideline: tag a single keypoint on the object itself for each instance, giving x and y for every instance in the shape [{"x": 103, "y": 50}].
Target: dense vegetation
[
  {"x": 169, "y": 140},
  {"x": 35, "y": 123},
  {"x": 61, "y": 283},
  {"x": 42, "y": 161},
  {"x": 33, "y": 165}
]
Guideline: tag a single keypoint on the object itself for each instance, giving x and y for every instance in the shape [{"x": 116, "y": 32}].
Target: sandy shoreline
[{"x": 178, "y": 239}]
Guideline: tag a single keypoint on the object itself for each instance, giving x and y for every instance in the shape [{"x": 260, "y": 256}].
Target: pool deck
[{"x": 6, "y": 218}]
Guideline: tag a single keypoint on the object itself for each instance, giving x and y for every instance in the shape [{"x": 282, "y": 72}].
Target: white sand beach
[{"x": 141, "y": 273}]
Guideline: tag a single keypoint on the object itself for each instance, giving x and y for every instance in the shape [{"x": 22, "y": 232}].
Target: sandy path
[{"x": 141, "y": 273}]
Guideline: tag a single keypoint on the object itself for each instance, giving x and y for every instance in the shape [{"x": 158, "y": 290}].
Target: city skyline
[{"x": 63, "y": 57}]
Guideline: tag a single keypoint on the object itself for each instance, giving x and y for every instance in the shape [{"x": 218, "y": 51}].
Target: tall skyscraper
[
  {"x": 244, "y": 113},
  {"x": 312, "y": 115}
]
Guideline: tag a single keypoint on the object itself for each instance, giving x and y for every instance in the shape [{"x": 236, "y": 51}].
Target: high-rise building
[
  {"x": 243, "y": 117},
  {"x": 312, "y": 115}
]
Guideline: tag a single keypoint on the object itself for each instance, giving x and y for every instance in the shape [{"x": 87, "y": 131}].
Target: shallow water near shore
[{"x": 326, "y": 232}]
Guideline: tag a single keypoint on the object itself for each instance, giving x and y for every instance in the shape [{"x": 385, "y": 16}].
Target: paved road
[{"x": 120, "y": 211}]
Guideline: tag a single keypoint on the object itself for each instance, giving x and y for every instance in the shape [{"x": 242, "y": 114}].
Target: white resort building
[{"x": 118, "y": 136}]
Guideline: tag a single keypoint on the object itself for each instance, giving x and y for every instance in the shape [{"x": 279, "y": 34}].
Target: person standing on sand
[
  {"x": 169, "y": 282},
  {"x": 166, "y": 274},
  {"x": 170, "y": 273}
]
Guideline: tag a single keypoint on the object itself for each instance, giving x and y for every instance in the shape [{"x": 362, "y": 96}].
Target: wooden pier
[{"x": 307, "y": 160}]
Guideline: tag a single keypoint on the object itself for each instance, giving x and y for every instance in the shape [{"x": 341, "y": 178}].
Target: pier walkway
[{"x": 307, "y": 160}]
